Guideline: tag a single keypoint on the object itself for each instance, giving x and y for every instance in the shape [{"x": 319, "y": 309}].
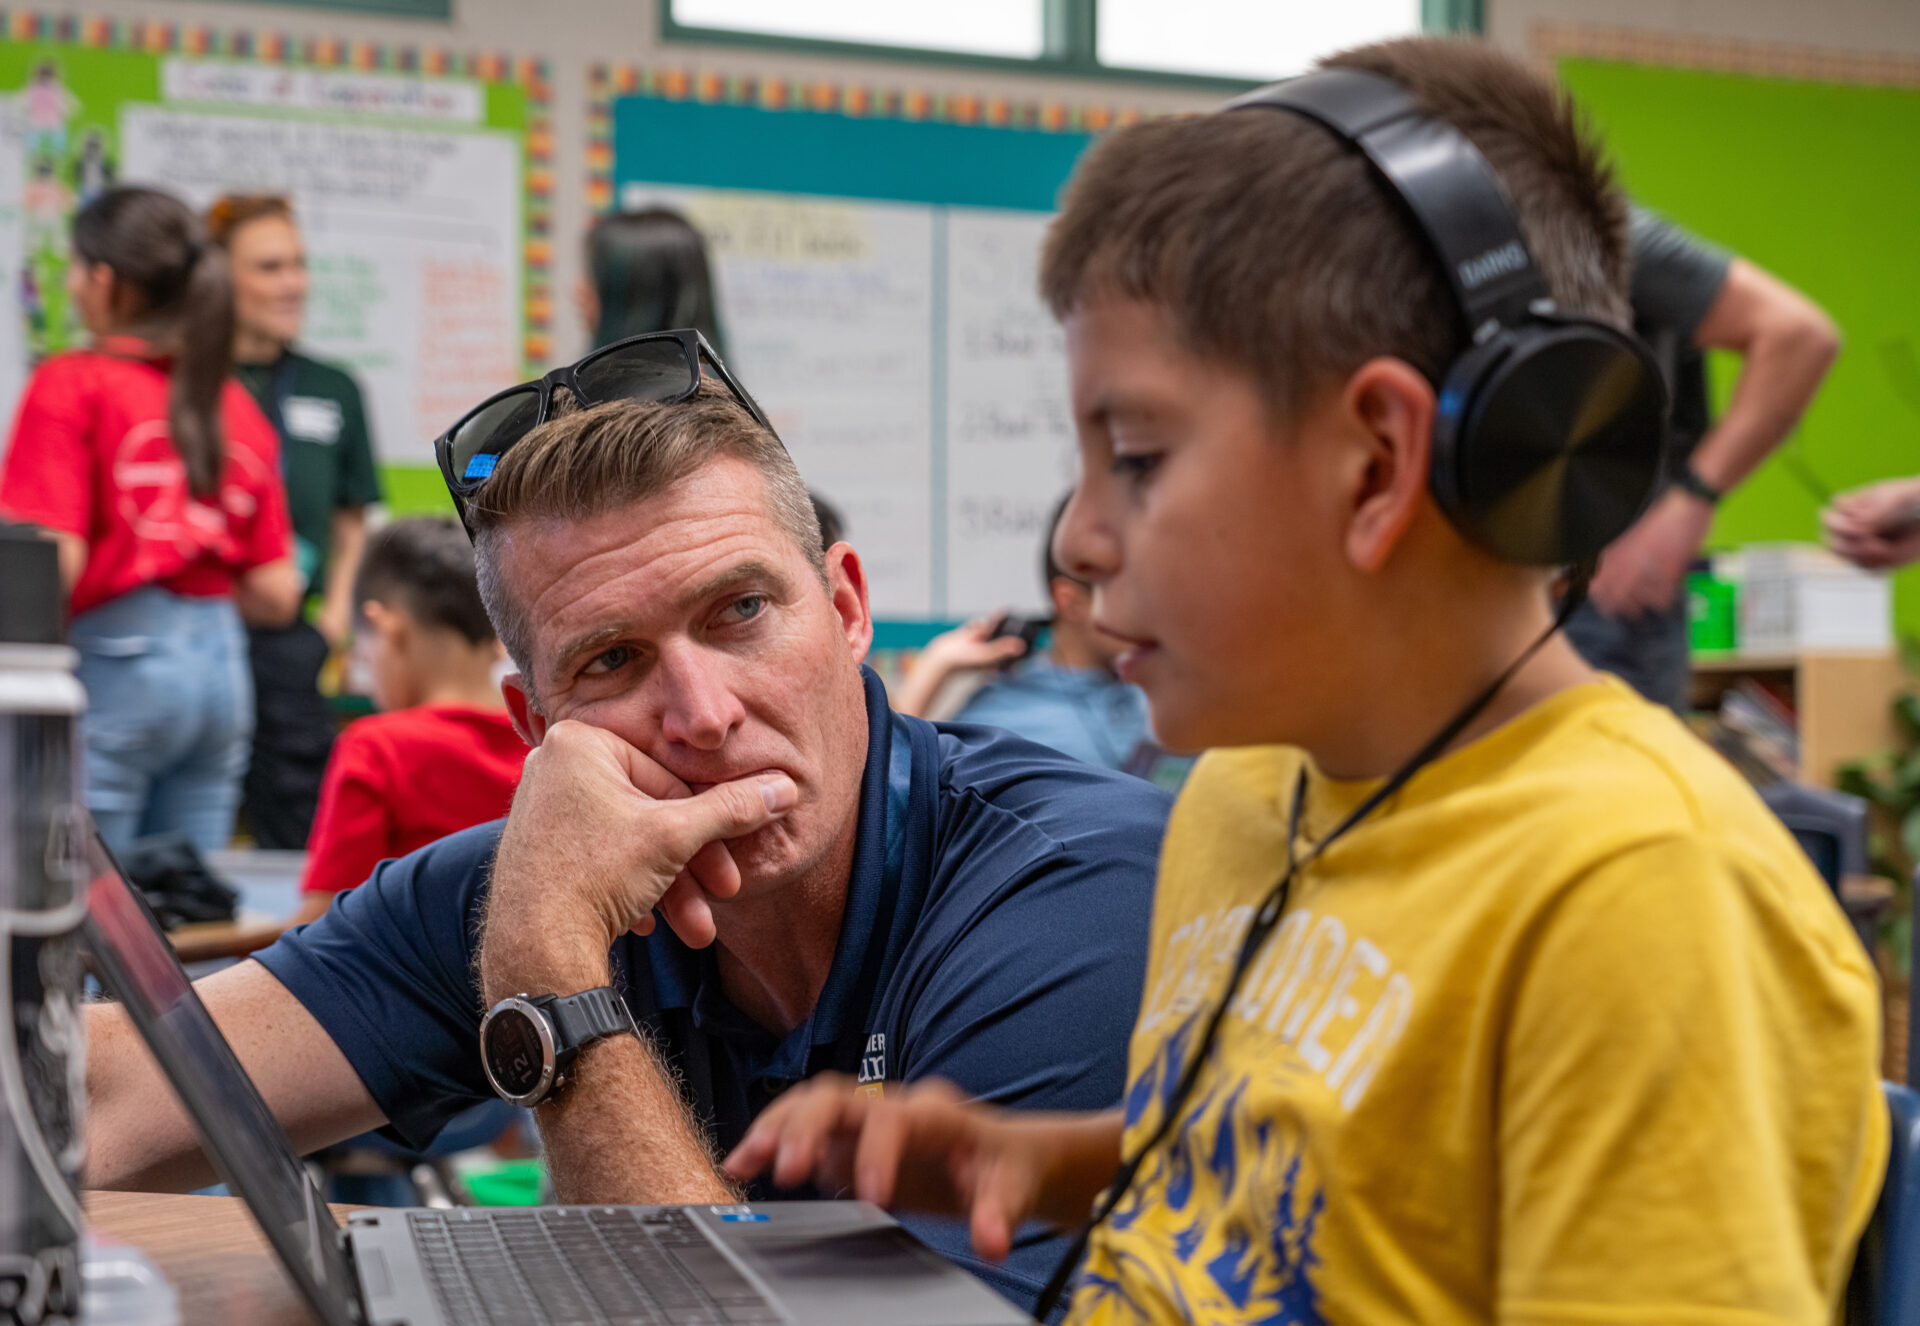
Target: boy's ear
[
  {"x": 1392, "y": 405},
  {"x": 529, "y": 722}
]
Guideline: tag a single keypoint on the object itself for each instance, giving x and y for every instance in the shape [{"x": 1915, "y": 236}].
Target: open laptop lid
[{"x": 247, "y": 1146}]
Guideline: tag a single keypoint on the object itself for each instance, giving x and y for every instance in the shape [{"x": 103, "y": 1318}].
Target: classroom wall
[
  {"x": 1880, "y": 26},
  {"x": 574, "y": 35}
]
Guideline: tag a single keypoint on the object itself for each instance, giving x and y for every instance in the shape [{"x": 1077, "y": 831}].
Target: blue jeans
[
  {"x": 169, "y": 716},
  {"x": 1650, "y": 653}
]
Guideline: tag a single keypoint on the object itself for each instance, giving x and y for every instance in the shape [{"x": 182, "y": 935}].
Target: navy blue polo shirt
[{"x": 995, "y": 935}]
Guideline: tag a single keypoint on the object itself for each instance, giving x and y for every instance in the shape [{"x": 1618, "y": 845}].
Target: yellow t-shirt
[{"x": 1569, "y": 1031}]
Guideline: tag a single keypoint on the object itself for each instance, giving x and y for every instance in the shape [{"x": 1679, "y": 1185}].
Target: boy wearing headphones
[{"x": 1479, "y": 990}]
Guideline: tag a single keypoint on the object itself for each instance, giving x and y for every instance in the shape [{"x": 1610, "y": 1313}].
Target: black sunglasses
[{"x": 664, "y": 367}]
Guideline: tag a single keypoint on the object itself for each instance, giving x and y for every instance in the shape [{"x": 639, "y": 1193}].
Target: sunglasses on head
[{"x": 662, "y": 367}]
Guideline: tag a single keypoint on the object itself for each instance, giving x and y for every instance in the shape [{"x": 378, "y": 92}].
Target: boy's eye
[
  {"x": 610, "y": 660},
  {"x": 1135, "y": 465}
]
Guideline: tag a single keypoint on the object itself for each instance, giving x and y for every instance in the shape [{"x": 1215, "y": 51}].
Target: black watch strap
[
  {"x": 1689, "y": 482},
  {"x": 591, "y": 1015}
]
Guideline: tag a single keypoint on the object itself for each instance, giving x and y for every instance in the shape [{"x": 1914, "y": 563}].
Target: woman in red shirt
[{"x": 160, "y": 480}]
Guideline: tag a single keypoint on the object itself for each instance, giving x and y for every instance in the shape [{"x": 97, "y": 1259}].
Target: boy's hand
[
  {"x": 599, "y": 836},
  {"x": 925, "y": 1147}
]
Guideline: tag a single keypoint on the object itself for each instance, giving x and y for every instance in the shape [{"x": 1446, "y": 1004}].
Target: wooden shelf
[{"x": 1843, "y": 700}]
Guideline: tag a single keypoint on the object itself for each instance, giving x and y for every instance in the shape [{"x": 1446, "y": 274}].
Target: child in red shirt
[{"x": 443, "y": 756}]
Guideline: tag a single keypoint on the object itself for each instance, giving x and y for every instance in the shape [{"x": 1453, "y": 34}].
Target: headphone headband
[{"x": 1456, "y": 199}]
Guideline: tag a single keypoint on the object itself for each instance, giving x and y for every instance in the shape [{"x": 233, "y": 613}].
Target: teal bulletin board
[{"x": 1820, "y": 184}]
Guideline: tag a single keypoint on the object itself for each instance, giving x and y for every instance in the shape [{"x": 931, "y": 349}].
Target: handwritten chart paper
[
  {"x": 827, "y": 307},
  {"x": 413, "y": 237}
]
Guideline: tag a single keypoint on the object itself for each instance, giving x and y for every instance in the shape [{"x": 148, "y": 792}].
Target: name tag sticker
[{"x": 312, "y": 418}]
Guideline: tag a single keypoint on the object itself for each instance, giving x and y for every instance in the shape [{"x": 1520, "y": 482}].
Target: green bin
[{"x": 1712, "y": 613}]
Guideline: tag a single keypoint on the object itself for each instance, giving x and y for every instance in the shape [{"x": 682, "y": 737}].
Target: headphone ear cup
[{"x": 1549, "y": 440}]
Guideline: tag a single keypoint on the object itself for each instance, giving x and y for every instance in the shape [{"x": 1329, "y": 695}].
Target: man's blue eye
[
  {"x": 749, "y": 607},
  {"x": 610, "y": 661}
]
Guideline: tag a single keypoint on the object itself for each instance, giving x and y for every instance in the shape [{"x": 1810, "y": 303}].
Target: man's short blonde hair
[{"x": 586, "y": 463}]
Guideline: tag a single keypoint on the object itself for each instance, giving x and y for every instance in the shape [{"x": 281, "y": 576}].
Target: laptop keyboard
[{"x": 582, "y": 1266}]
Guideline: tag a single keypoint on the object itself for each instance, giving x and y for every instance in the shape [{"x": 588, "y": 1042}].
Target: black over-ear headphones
[{"x": 1549, "y": 437}]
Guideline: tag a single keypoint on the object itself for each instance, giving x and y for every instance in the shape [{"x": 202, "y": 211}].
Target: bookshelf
[{"x": 1842, "y": 700}]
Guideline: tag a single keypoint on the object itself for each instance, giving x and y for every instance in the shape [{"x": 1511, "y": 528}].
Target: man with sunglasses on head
[{"x": 842, "y": 888}]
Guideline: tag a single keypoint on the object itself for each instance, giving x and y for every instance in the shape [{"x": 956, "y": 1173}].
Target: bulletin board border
[
  {"x": 606, "y": 83},
  {"x": 531, "y": 73},
  {"x": 1549, "y": 43}
]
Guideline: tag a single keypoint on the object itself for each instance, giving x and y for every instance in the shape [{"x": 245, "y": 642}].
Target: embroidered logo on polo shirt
[
  {"x": 312, "y": 419},
  {"x": 873, "y": 1066}
]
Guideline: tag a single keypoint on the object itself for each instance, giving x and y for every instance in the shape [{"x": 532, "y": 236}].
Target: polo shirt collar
[{"x": 690, "y": 978}]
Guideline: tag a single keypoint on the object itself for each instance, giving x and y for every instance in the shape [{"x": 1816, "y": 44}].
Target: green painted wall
[{"x": 1819, "y": 184}]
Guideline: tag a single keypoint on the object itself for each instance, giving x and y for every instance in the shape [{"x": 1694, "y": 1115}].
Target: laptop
[{"x": 755, "y": 1265}]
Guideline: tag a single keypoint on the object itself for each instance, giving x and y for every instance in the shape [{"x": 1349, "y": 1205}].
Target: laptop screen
[{"x": 245, "y": 1143}]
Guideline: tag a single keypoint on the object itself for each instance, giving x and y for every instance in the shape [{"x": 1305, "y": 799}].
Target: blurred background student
[
  {"x": 161, "y": 482},
  {"x": 326, "y": 457},
  {"x": 1066, "y": 696},
  {"x": 442, "y": 755},
  {"x": 647, "y": 271}
]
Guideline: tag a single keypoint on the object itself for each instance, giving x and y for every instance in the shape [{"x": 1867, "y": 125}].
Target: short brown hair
[
  {"x": 423, "y": 565},
  {"x": 231, "y": 211},
  {"x": 1277, "y": 250},
  {"x": 586, "y": 463}
]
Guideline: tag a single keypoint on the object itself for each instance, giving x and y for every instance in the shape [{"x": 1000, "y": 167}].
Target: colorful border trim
[
  {"x": 606, "y": 83},
  {"x": 1548, "y": 43},
  {"x": 158, "y": 38}
]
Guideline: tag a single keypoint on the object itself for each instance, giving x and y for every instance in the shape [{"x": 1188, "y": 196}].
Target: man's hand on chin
[{"x": 598, "y": 838}]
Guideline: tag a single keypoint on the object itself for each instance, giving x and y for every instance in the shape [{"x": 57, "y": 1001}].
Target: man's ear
[
  {"x": 529, "y": 722},
  {"x": 847, "y": 590},
  {"x": 1391, "y": 406}
]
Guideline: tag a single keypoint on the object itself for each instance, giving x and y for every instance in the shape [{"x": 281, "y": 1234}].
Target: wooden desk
[
  {"x": 211, "y": 1250},
  {"x": 203, "y": 941}
]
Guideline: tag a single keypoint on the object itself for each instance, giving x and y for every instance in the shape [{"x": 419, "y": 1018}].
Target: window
[
  {"x": 1011, "y": 28},
  {"x": 1252, "y": 39},
  {"x": 1207, "y": 42}
]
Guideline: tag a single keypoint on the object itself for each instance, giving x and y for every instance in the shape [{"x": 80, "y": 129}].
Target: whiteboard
[
  {"x": 413, "y": 236},
  {"x": 1010, "y": 447},
  {"x": 827, "y": 306}
]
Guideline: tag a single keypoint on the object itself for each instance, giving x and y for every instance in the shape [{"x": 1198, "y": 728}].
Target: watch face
[{"x": 515, "y": 1056}]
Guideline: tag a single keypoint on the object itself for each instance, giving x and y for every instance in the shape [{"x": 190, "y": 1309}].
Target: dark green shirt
[{"x": 325, "y": 451}]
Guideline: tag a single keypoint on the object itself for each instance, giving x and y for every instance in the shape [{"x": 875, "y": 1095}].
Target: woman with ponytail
[{"x": 160, "y": 480}]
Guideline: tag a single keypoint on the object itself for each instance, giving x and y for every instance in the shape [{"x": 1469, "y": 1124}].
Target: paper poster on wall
[
  {"x": 412, "y": 232},
  {"x": 827, "y": 309},
  {"x": 1009, "y": 438},
  {"x": 410, "y": 190},
  {"x": 13, "y": 245}
]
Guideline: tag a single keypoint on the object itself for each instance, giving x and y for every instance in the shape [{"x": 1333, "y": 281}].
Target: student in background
[
  {"x": 327, "y": 461},
  {"x": 1690, "y": 297},
  {"x": 1067, "y": 697},
  {"x": 442, "y": 755},
  {"x": 647, "y": 271},
  {"x": 833, "y": 525},
  {"x": 161, "y": 482},
  {"x": 1554, "y": 1025}
]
